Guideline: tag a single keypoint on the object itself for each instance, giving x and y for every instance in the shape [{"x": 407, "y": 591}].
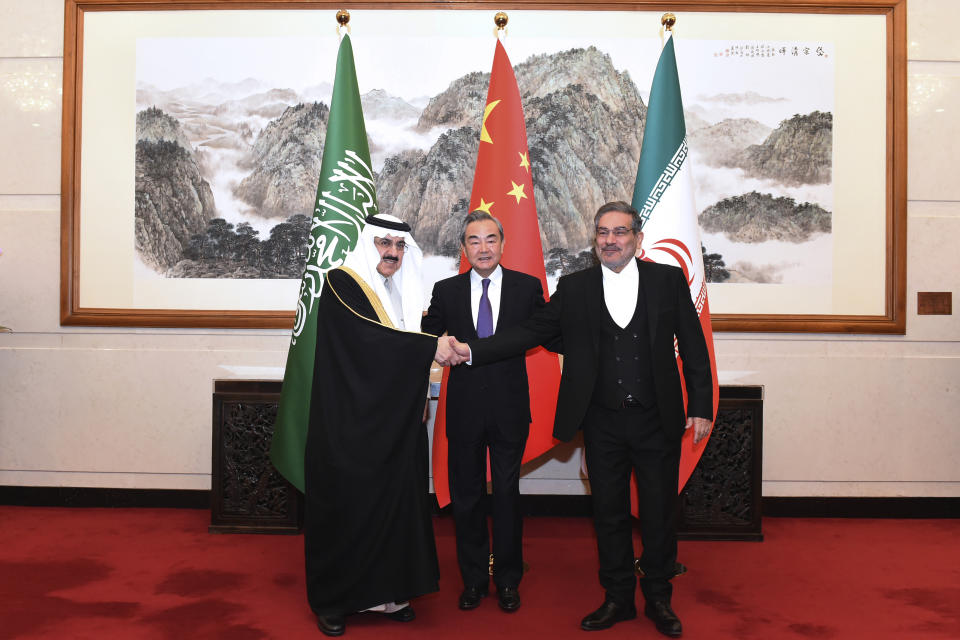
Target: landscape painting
[{"x": 229, "y": 142}]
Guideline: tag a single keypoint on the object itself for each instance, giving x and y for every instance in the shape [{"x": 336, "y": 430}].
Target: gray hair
[
  {"x": 476, "y": 216},
  {"x": 621, "y": 207}
]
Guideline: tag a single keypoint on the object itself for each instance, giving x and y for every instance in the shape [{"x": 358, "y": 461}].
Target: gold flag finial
[
  {"x": 501, "y": 20},
  {"x": 343, "y": 20},
  {"x": 668, "y": 20}
]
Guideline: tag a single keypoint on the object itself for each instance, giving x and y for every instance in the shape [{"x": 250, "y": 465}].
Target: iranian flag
[
  {"x": 503, "y": 187},
  {"x": 346, "y": 195},
  {"x": 663, "y": 194}
]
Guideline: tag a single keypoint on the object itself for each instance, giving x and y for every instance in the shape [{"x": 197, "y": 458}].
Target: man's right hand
[{"x": 446, "y": 355}]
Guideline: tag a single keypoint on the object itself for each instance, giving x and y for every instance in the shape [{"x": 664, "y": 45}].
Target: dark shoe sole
[
  {"x": 509, "y": 608},
  {"x": 588, "y": 627},
  {"x": 472, "y": 604},
  {"x": 327, "y": 631},
  {"x": 667, "y": 632},
  {"x": 407, "y": 614}
]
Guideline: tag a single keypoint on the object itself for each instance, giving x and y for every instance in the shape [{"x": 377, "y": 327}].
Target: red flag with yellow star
[{"x": 503, "y": 187}]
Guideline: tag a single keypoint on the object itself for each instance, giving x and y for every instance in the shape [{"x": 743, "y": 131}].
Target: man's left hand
[{"x": 701, "y": 428}]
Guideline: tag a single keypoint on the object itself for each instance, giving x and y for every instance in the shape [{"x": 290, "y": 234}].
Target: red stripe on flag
[{"x": 503, "y": 186}]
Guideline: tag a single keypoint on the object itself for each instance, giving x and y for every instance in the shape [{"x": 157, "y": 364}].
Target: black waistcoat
[{"x": 625, "y": 360}]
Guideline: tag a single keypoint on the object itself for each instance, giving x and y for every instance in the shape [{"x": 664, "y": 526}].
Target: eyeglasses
[
  {"x": 385, "y": 244},
  {"x": 620, "y": 232}
]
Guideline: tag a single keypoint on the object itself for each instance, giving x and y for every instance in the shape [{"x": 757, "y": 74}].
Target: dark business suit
[
  {"x": 487, "y": 408},
  {"x": 647, "y": 438}
]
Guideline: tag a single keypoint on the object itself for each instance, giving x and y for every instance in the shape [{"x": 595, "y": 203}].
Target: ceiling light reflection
[{"x": 34, "y": 89}]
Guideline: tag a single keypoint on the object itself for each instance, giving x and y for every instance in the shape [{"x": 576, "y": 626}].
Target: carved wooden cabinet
[
  {"x": 248, "y": 495},
  {"x": 722, "y": 499},
  {"x": 720, "y": 502}
]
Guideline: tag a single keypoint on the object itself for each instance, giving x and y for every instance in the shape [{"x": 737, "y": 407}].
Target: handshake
[{"x": 451, "y": 352}]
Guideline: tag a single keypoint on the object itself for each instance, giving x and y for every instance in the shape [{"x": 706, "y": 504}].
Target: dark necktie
[{"x": 485, "y": 314}]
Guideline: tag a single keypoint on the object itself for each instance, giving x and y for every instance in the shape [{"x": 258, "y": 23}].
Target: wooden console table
[{"x": 720, "y": 502}]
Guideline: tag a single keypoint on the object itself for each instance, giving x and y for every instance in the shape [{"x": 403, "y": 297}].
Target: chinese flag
[{"x": 503, "y": 187}]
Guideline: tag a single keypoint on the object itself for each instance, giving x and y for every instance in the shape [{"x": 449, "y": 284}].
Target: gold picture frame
[{"x": 80, "y": 236}]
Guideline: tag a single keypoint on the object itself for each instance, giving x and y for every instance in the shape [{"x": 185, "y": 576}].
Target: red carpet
[{"x": 157, "y": 573}]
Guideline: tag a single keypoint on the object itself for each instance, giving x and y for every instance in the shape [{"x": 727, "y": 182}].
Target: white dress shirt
[
  {"x": 394, "y": 300},
  {"x": 620, "y": 292},
  {"x": 493, "y": 293}
]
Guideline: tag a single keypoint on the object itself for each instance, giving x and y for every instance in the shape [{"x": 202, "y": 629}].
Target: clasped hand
[{"x": 451, "y": 352}]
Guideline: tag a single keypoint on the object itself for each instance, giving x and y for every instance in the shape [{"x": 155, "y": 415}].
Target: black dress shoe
[
  {"x": 406, "y": 614},
  {"x": 509, "y": 598},
  {"x": 471, "y": 596},
  {"x": 609, "y": 614},
  {"x": 331, "y": 625},
  {"x": 663, "y": 616}
]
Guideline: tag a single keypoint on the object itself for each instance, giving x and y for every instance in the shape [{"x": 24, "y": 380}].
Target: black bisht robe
[{"x": 368, "y": 532}]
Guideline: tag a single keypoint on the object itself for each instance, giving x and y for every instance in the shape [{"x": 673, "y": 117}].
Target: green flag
[
  {"x": 345, "y": 196},
  {"x": 663, "y": 195},
  {"x": 664, "y": 136}
]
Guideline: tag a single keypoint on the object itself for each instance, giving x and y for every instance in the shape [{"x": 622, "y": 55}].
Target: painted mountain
[
  {"x": 173, "y": 201},
  {"x": 757, "y": 217},
  {"x": 227, "y": 172},
  {"x": 584, "y": 129},
  {"x": 764, "y": 198},
  {"x": 799, "y": 151}
]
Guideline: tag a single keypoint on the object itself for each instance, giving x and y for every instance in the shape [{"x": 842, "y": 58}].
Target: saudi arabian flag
[
  {"x": 663, "y": 194},
  {"x": 345, "y": 197}
]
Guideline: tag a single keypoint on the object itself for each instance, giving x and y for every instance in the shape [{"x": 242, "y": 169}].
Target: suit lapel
[
  {"x": 648, "y": 290},
  {"x": 507, "y": 284},
  {"x": 595, "y": 301},
  {"x": 464, "y": 306}
]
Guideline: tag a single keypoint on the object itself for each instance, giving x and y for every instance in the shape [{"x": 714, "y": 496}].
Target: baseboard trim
[
  {"x": 530, "y": 505},
  {"x": 104, "y": 497},
  {"x": 777, "y": 507},
  {"x": 556, "y": 506},
  {"x": 842, "y": 507}
]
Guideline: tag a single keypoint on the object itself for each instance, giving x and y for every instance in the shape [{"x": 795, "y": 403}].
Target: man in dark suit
[
  {"x": 620, "y": 384},
  {"x": 488, "y": 409}
]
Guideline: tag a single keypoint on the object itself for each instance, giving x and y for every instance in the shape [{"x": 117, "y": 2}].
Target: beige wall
[{"x": 844, "y": 415}]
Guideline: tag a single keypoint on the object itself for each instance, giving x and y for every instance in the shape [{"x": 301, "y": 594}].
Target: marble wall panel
[
  {"x": 933, "y": 264},
  {"x": 932, "y": 30},
  {"x": 195, "y": 482},
  {"x": 30, "y": 270},
  {"x": 120, "y": 411},
  {"x": 857, "y": 489},
  {"x": 933, "y": 126},
  {"x": 859, "y": 417},
  {"x": 31, "y": 29},
  {"x": 30, "y": 107}
]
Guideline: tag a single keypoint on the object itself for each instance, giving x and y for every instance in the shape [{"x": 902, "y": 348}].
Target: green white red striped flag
[{"x": 663, "y": 194}]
